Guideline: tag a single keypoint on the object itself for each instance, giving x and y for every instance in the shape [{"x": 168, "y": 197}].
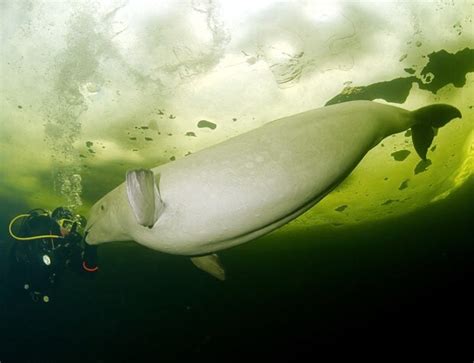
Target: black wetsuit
[{"x": 37, "y": 265}]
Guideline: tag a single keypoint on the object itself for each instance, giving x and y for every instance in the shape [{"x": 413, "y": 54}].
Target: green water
[
  {"x": 402, "y": 281},
  {"x": 91, "y": 89}
]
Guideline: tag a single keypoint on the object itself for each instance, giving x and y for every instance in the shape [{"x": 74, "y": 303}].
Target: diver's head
[
  {"x": 66, "y": 220},
  {"x": 62, "y": 213}
]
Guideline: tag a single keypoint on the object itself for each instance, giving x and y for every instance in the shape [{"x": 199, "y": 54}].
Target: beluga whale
[{"x": 249, "y": 185}]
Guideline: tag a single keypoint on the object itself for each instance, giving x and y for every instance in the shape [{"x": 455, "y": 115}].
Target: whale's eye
[{"x": 102, "y": 207}]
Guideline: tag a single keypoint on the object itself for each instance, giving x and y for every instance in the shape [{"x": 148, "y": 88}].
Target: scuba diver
[{"x": 46, "y": 243}]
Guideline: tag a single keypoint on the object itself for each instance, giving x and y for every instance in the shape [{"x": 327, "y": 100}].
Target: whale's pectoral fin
[
  {"x": 211, "y": 264},
  {"x": 143, "y": 196}
]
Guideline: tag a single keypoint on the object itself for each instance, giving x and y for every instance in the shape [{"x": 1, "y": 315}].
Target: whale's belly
[{"x": 256, "y": 179}]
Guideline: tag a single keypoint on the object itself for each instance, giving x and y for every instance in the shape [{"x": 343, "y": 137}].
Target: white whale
[{"x": 251, "y": 184}]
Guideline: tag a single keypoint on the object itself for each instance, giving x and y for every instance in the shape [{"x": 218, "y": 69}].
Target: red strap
[{"x": 89, "y": 269}]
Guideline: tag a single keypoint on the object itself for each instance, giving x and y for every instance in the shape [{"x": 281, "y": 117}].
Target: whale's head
[
  {"x": 106, "y": 222},
  {"x": 133, "y": 205}
]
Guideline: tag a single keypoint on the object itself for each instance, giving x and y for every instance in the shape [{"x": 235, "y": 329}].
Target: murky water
[{"x": 92, "y": 89}]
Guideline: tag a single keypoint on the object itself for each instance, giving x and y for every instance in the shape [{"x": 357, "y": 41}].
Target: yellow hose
[{"x": 27, "y": 238}]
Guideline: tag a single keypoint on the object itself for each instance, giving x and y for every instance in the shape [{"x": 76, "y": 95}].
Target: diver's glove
[{"x": 89, "y": 259}]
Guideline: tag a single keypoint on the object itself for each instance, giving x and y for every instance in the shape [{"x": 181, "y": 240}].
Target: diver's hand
[{"x": 89, "y": 258}]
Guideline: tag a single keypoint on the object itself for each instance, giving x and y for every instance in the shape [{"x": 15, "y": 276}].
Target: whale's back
[{"x": 259, "y": 177}]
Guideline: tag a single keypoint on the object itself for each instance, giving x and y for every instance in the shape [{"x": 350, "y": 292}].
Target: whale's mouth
[
  {"x": 88, "y": 228},
  {"x": 85, "y": 236},
  {"x": 87, "y": 231}
]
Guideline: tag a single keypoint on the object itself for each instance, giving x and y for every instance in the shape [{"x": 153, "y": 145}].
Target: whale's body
[{"x": 249, "y": 185}]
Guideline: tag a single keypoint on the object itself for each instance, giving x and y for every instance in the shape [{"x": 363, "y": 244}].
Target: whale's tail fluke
[{"x": 427, "y": 120}]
